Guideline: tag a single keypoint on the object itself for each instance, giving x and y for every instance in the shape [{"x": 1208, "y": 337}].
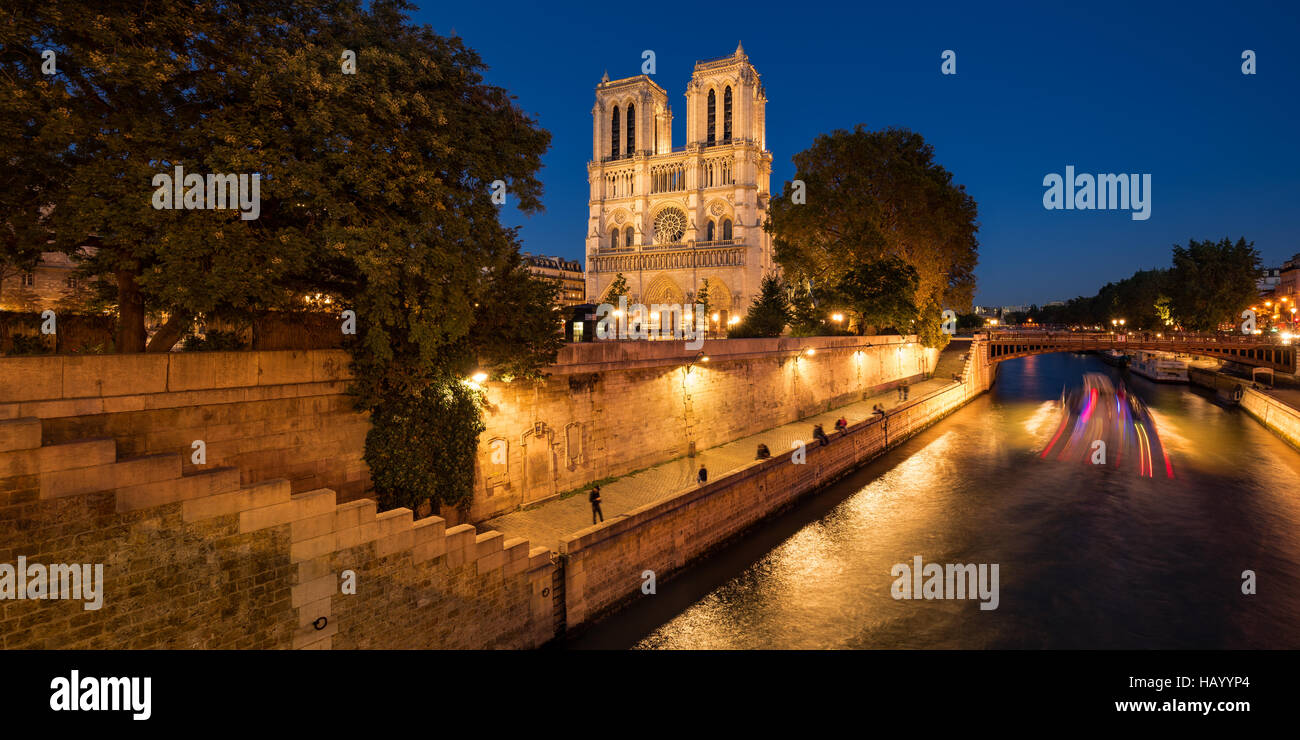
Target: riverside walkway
[{"x": 548, "y": 523}]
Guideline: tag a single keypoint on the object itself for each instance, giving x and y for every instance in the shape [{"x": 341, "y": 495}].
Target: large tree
[
  {"x": 376, "y": 188},
  {"x": 873, "y": 196},
  {"x": 1211, "y": 283}
]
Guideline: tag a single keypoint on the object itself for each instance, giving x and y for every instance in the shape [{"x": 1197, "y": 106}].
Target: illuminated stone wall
[
  {"x": 609, "y": 409},
  {"x": 606, "y": 409}
]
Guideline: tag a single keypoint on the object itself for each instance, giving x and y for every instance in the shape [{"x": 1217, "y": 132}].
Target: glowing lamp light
[
  {"x": 837, "y": 317},
  {"x": 810, "y": 351},
  {"x": 479, "y": 377},
  {"x": 716, "y": 317}
]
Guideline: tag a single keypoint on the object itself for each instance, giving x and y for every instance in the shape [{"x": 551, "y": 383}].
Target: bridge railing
[{"x": 1183, "y": 337}]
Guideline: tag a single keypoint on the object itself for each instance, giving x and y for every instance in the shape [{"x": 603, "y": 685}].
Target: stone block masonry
[
  {"x": 611, "y": 408},
  {"x": 606, "y": 408},
  {"x": 268, "y": 414},
  {"x": 202, "y": 560}
]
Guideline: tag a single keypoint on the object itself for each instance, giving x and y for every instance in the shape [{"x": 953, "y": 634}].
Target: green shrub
[{"x": 423, "y": 446}]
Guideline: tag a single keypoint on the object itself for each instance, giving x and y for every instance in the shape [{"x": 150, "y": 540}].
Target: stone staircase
[{"x": 33, "y": 474}]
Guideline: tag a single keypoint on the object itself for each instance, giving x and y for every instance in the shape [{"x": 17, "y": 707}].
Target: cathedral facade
[{"x": 668, "y": 218}]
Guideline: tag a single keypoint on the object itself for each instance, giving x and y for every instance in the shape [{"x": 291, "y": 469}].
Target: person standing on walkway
[
  {"x": 906, "y": 390},
  {"x": 595, "y": 504},
  {"x": 703, "y": 476}
]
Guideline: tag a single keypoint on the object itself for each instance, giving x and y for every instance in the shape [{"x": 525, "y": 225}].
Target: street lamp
[{"x": 837, "y": 317}]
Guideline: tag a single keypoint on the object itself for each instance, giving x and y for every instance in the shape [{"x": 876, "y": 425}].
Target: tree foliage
[
  {"x": 375, "y": 189},
  {"x": 878, "y": 293},
  {"x": 1208, "y": 285},
  {"x": 616, "y": 289},
  {"x": 768, "y": 314},
  {"x": 874, "y": 196},
  {"x": 1212, "y": 282}
]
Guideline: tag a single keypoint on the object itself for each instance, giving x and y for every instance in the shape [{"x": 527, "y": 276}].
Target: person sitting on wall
[
  {"x": 703, "y": 475},
  {"x": 763, "y": 452},
  {"x": 820, "y": 435},
  {"x": 842, "y": 426}
]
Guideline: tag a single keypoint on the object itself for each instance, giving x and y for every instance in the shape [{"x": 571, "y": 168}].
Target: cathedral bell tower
[{"x": 666, "y": 218}]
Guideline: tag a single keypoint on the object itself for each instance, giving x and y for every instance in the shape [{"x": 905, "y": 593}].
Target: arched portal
[{"x": 664, "y": 292}]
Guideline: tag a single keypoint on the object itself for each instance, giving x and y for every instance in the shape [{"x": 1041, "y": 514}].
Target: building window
[
  {"x": 631, "y": 129},
  {"x": 29, "y": 279},
  {"x": 627, "y": 237},
  {"x": 726, "y": 114},
  {"x": 613, "y": 139},
  {"x": 708, "y": 232},
  {"x": 613, "y": 237},
  {"x": 713, "y": 122},
  {"x": 726, "y": 229}
]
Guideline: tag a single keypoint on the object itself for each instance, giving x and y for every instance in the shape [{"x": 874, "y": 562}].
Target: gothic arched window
[
  {"x": 713, "y": 119},
  {"x": 613, "y": 139},
  {"x": 726, "y": 229},
  {"x": 613, "y": 237},
  {"x": 631, "y": 129},
  {"x": 627, "y": 237},
  {"x": 726, "y": 114},
  {"x": 708, "y": 232}
]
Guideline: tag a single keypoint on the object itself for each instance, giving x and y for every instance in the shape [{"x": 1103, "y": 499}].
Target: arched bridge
[{"x": 1247, "y": 350}]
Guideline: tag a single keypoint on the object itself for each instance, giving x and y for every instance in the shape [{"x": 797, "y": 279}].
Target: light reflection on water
[{"x": 1089, "y": 557}]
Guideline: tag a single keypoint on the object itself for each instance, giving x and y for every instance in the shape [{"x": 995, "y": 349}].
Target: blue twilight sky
[{"x": 1123, "y": 87}]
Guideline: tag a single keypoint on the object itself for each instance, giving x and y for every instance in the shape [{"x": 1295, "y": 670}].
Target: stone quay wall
[
  {"x": 611, "y": 408},
  {"x": 603, "y": 564},
  {"x": 96, "y": 468},
  {"x": 201, "y": 560},
  {"x": 272, "y": 415},
  {"x": 606, "y": 409},
  {"x": 1272, "y": 413},
  {"x": 1282, "y": 419}
]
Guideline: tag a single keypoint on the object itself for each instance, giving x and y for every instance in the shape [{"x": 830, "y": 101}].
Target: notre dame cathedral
[{"x": 668, "y": 217}]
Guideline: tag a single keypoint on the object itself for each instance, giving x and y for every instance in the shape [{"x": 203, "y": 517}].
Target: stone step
[
  {"x": 82, "y": 454},
  {"x": 133, "y": 472},
  {"x": 199, "y": 485}
]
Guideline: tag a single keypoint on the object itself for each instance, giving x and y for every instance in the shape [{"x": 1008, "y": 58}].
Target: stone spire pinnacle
[
  {"x": 605, "y": 77},
  {"x": 740, "y": 49}
]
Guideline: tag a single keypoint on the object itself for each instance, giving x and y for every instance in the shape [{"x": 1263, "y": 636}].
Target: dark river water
[{"x": 1088, "y": 556}]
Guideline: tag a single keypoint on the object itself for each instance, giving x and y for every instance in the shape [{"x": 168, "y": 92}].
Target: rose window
[{"x": 670, "y": 226}]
